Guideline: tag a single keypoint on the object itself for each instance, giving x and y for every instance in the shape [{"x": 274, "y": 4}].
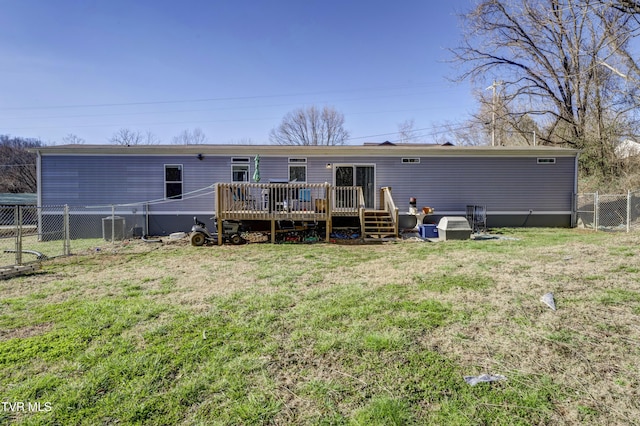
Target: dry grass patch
[{"x": 309, "y": 334}]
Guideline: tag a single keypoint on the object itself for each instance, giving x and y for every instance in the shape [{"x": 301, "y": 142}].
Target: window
[
  {"x": 173, "y": 181},
  {"x": 411, "y": 161},
  {"x": 546, "y": 161},
  {"x": 297, "y": 170},
  {"x": 297, "y": 173},
  {"x": 240, "y": 160},
  {"x": 239, "y": 173},
  {"x": 240, "y": 169}
]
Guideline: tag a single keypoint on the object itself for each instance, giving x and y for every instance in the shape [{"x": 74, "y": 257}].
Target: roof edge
[{"x": 286, "y": 150}]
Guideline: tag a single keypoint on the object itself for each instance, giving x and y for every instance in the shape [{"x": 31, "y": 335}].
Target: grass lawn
[{"x": 159, "y": 334}]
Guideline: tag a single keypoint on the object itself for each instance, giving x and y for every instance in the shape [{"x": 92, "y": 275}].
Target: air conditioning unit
[{"x": 113, "y": 225}]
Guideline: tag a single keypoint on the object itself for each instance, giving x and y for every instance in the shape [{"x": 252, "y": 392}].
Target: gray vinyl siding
[
  {"x": 106, "y": 180},
  {"x": 504, "y": 184},
  {"x": 501, "y": 183}
]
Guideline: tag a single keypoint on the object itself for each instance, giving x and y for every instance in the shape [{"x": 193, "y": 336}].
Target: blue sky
[{"x": 231, "y": 68}]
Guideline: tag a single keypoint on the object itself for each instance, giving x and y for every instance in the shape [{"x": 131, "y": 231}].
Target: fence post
[
  {"x": 629, "y": 211},
  {"x": 596, "y": 211},
  {"x": 40, "y": 223},
  {"x": 67, "y": 231},
  {"x": 17, "y": 216},
  {"x": 113, "y": 223}
]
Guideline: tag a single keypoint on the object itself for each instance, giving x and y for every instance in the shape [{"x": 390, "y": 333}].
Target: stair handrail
[
  {"x": 361, "y": 208},
  {"x": 390, "y": 206}
]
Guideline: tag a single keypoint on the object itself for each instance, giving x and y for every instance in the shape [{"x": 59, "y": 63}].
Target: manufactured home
[{"x": 158, "y": 189}]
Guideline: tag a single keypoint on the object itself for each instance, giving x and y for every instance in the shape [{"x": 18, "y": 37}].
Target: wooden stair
[{"x": 378, "y": 226}]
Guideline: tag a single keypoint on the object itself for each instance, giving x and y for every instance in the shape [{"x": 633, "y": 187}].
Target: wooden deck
[
  {"x": 290, "y": 201},
  {"x": 296, "y": 202}
]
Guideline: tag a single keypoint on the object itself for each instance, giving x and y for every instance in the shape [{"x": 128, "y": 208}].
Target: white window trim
[
  {"x": 241, "y": 160},
  {"x": 181, "y": 181},
  {"x": 410, "y": 160},
  {"x": 244, "y": 166},
  {"x": 297, "y": 160},
  {"x": 546, "y": 160},
  {"x": 299, "y": 165}
]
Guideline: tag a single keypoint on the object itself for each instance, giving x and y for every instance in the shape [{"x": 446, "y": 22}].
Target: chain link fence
[
  {"x": 30, "y": 233},
  {"x": 610, "y": 212},
  {"x": 111, "y": 224}
]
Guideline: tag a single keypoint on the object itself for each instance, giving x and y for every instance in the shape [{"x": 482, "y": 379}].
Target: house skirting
[
  {"x": 518, "y": 219},
  {"x": 91, "y": 225}
]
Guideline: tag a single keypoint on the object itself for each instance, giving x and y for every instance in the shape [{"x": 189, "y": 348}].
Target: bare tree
[
  {"x": 130, "y": 137},
  {"x": 150, "y": 138},
  {"x": 407, "y": 132},
  {"x": 126, "y": 137},
  {"x": 469, "y": 133},
  {"x": 627, "y": 6},
  {"x": 187, "y": 137},
  {"x": 311, "y": 126},
  {"x": 17, "y": 165},
  {"x": 242, "y": 141},
  {"x": 558, "y": 62},
  {"x": 72, "y": 139}
]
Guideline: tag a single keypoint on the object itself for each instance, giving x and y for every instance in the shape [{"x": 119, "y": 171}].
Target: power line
[
  {"x": 384, "y": 134},
  {"x": 223, "y": 108},
  {"x": 213, "y": 99}
]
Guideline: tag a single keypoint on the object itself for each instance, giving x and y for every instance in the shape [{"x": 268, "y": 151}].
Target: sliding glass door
[{"x": 363, "y": 176}]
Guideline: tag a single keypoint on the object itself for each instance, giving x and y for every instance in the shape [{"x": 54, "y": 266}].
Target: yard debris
[
  {"x": 483, "y": 378},
  {"x": 347, "y": 234},
  {"x": 147, "y": 239},
  {"x": 481, "y": 237},
  {"x": 39, "y": 255},
  {"x": 15, "y": 270},
  {"x": 548, "y": 300}
]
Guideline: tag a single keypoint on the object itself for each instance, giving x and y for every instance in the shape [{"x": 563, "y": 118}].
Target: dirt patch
[{"x": 25, "y": 332}]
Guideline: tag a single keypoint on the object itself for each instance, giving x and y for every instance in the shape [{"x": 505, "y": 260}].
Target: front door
[{"x": 363, "y": 176}]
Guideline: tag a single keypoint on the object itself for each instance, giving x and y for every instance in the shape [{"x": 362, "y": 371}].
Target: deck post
[
  {"x": 329, "y": 207},
  {"x": 273, "y": 231},
  {"x": 218, "y": 213}
]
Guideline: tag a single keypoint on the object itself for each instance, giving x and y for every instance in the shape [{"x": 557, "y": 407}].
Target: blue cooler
[{"x": 428, "y": 231}]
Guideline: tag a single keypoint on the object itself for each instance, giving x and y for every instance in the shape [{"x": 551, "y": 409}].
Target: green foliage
[
  {"x": 443, "y": 283},
  {"x": 384, "y": 411},
  {"x": 619, "y": 296}
]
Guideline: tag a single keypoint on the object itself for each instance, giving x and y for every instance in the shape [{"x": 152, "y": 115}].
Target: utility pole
[{"x": 493, "y": 111}]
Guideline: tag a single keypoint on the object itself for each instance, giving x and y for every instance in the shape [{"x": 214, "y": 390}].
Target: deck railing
[
  {"x": 387, "y": 203},
  {"x": 294, "y": 201},
  {"x": 346, "y": 200}
]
